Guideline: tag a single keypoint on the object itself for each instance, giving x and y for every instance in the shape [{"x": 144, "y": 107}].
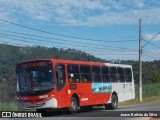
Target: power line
[
  {"x": 22, "y": 45},
  {"x": 53, "y": 32},
  {"x": 17, "y": 39},
  {"x": 104, "y": 47},
  {"x": 25, "y": 41},
  {"x": 34, "y": 43},
  {"x": 63, "y": 39},
  {"x": 151, "y": 52},
  {"x": 57, "y": 46},
  {"x": 4, "y": 42},
  {"x": 63, "y": 36},
  {"x": 115, "y": 54},
  {"x": 151, "y": 44},
  {"x": 150, "y": 56},
  {"x": 151, "y": 39},
  {"x": 21, "y": 40},
  {"x": 61, "y": 43},
  {"x": 13, "y": 43}
]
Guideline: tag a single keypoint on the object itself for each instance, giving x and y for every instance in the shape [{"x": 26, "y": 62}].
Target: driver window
[{"x": 60, "y": 74}]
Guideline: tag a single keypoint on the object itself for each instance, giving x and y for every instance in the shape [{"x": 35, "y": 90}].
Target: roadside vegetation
[{"x": 8, "y": 106}]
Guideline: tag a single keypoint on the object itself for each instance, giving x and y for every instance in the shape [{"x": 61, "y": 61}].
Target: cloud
[
  {"x": 83, "y": 12},
  {"x": 149, "y": 36}
]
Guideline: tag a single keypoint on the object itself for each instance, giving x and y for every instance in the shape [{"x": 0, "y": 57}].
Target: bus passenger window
[
  {"x": 85, "y": 73},
  {"x": 120, "y": 74},
  {"x": 60, "y": 74},
  {"x": 106, "y": 78},
  {"x": 105, "y": 74},
  {"x": 128, "y": 75},
  {"x": 113, "y": 73},
  {"x": 73, "y": 73},
  {"x": 86, "y": 77},
  {"x": 96, "y": 74}
]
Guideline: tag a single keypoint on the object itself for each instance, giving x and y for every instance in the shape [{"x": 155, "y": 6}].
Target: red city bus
[{"x": 54, "y": 84}]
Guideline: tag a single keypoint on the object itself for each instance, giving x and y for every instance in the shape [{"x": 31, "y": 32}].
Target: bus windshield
[{"x": 34, "y": 76}]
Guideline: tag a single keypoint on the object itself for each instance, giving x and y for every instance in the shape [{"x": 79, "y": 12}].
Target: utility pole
[{"x": 140, "y": 61}]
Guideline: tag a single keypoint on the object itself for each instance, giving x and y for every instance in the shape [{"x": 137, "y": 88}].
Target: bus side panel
[
  {"x": 63, "y": 98},
  {"x": 87, "y": 96},
  {"x": 84, "y": 91},
  {"x": 125, "y": 91},
  {"x": 100, "y": 98},
  {"x": 101, "y": 93}
]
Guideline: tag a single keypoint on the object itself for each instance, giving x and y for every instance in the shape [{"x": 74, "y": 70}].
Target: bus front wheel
[
  {"x": 114, "y": 103},
  {"x": 73, "y": 105}
]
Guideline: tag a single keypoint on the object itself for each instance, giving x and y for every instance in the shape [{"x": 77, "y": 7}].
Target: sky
[{"x": 108, "y": 29}]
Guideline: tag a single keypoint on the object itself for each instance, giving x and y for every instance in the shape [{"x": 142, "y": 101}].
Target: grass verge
[
  {"x": 152, "y": 99},
  {"x": 8, "y": 106}
]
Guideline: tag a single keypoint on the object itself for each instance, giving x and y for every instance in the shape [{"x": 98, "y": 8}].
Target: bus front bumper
[{"x": 52, "y": 103}]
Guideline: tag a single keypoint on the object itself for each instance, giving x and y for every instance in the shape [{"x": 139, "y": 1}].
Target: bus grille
[{"x": 33, "y": 105}]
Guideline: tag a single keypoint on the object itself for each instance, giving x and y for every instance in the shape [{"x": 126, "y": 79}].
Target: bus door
[{"x": 61, "y": 85}]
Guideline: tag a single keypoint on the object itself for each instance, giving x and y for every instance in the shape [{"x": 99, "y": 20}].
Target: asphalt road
[{"x": 100, "y": 113}]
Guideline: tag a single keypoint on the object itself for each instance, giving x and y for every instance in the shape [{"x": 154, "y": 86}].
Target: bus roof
[
  {"x": 79, "y": 62},
  {"x": 118, "y": 65}
]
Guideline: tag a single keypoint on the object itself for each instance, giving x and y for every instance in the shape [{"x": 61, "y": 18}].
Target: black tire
[
  {"x": 73, "y": 105},
  {"x": 114, "y": 103}
]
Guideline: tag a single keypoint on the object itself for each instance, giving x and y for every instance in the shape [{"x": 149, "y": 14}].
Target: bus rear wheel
[
  {"x": 73, "y": 105},
  {"x": 114, "y": 103}
]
